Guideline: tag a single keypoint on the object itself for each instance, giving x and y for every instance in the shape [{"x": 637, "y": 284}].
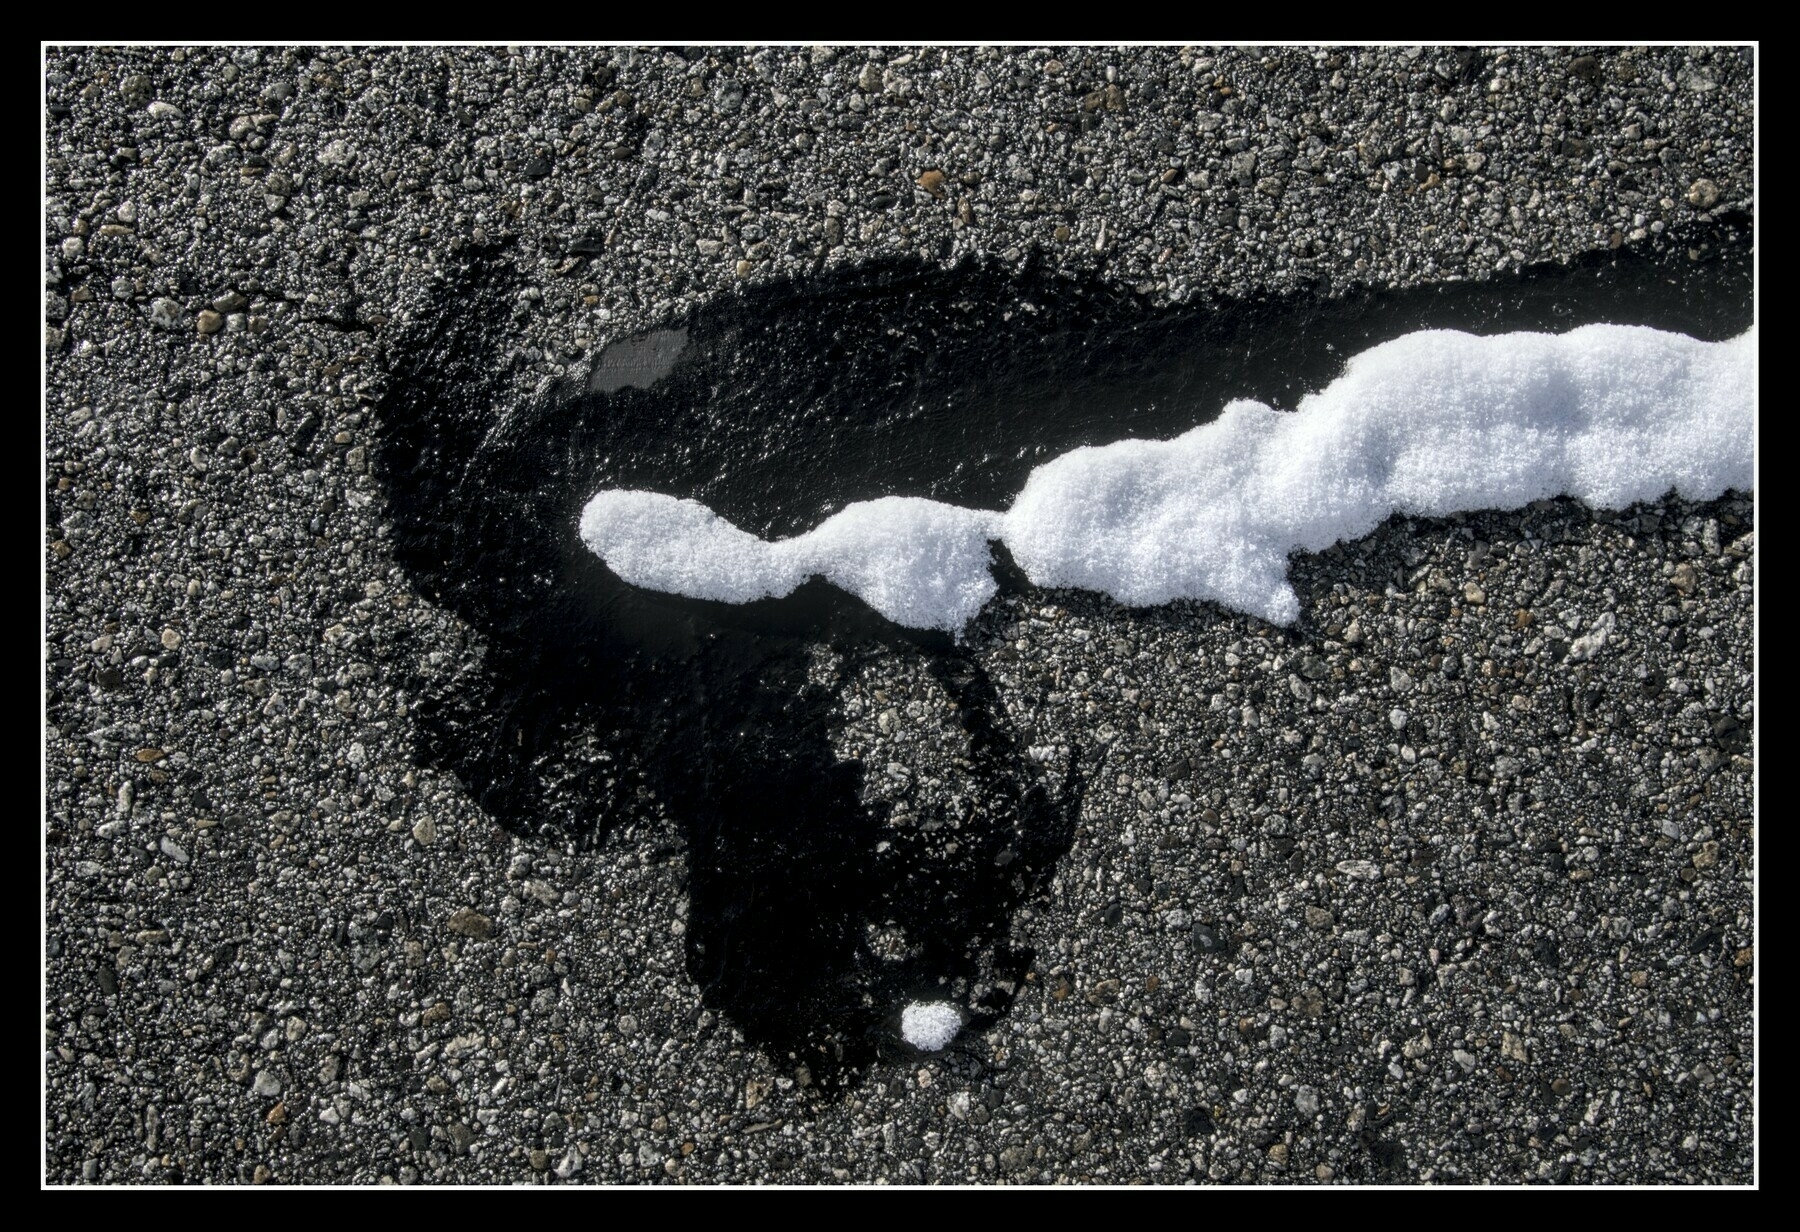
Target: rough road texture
[{"x": 1452, "y": 882}]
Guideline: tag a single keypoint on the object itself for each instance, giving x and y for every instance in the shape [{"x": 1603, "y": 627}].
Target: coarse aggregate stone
[{"x": 1451, "y": 882}]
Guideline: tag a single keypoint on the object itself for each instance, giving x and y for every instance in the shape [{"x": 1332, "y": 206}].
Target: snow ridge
[{"x": 1433, "y": 423}]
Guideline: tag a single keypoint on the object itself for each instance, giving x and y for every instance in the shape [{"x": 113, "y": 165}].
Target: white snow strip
[
  {"x": 1433, "y": 423},
  {"x": 918, "y": 562}
]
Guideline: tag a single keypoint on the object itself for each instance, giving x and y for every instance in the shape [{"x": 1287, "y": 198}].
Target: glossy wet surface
[{"x": 777, "y": 406}]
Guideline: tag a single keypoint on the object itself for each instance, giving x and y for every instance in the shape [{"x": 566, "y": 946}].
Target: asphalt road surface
[{"x": 387, "y": 839}]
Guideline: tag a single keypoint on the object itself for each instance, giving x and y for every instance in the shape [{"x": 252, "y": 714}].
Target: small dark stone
[
  {"x": 109, "y": 979},
  {"x": 1389, "y": 1156},
  {"x": 1708, "y": 940},
  {"x": 1197, "y": 1123},
  {"x": 1466, "y": 63}
]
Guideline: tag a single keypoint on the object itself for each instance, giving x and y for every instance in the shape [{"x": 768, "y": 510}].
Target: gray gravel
[{"x": 1451, "y": 883}]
